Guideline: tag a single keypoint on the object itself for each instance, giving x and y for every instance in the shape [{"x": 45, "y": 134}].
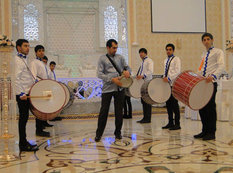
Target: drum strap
[
  {"x": 138, "y": 71},
  {"x": 166, "y": 73},
  {"x": 28, "y": 69},
  {"x": 114, "y": 65}
]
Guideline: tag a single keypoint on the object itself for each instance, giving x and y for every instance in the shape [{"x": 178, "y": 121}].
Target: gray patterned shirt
[{"x": 106, "y": 71}]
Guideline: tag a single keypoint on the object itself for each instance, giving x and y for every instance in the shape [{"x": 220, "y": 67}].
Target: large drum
[
  {"x": 155, "y": 91},
  {"x": 47, "y": 99},
  {"x": 69, "y": 95},
  {"x": 192, "y": 90},
  {"x": 135, "y": 89}
]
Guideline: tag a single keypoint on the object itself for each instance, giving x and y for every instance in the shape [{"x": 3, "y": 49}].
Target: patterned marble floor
[{"x": 144, "y": 148}]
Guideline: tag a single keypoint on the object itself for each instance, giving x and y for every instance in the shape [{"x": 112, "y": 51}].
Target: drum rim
[
  {"x": 130, "y": 84},
  {"x": 70, "y": 101},
  {"x": 63, "y": 84},
  {"x": 39, "y": 110}
]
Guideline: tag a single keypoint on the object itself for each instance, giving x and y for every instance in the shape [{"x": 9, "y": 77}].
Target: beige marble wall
[
  {"x": 188, "y": 46},
  {"x": 0, "y": 17},
  {"x": 5, "y": 18}
]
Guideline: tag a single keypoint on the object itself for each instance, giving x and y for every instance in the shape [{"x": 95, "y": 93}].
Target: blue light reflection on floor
[
  {"x": 134, "y": 137},
  {"x": 48, "y": 142}
]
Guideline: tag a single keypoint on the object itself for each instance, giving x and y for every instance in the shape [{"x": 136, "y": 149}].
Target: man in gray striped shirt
[{"x": 111, "y": 88}]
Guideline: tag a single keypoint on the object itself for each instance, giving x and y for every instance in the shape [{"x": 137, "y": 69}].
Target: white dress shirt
[
  {"x": 23, "y": 77},
  {"x": 38, "y": 69},
  {"x": 52, "y": 75},
  {"x": 213, "y": 64},
  {"x": 174, "y": 69},
  {"x": 146, "y": 69}
]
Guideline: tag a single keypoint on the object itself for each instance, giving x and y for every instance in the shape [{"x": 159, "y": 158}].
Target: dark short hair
[
  {"x": 45, "y": 57},
  {"x": 109, "y": 43},
  {"x": 38, "y": 47},
  {"x": 20, "y": 42},
  {"x": 52, "y": 63},
  {"x": 206, "y": 34},
  {"x": 170, "y": 45},
  {"x": 142, "y": 50}
]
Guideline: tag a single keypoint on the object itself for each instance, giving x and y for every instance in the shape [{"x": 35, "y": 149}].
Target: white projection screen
[{"x": 185, "y": 16}]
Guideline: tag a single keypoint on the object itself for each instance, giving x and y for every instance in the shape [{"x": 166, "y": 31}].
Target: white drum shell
[{"x": 69, "y": 95}]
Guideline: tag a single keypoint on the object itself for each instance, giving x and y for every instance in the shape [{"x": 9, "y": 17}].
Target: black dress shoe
[
  {"x": 28, "y": 147},
  {"x": 42, "y": 133},
  {"x": 208, "y": 137},
  {"x": 118, "y": 137},
  {"x": 33, "y": 145},
  {"x": 200, "y": 135},
  {"x": 57, "y": 119},
  {"x": 175, "y": 127},
  {"x": 140, "y": 121},
  {"x": 97, "y": 138},
  {"x": 46, "y": 124},
  {"x": 168, "y": 126},
  {"x": 145, "y": 121}
]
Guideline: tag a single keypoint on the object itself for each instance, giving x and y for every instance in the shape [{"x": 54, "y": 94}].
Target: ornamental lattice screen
[{"x": 73, "y": 32}]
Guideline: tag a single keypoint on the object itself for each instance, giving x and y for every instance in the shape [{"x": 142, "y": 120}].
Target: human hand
[
  {"x": 116, "y": 81},
  {"x": 165, "y": 79},
  {"x": 23, "y": 97},
  {"x": 126, "y": 74},
  {"x": 139, "y": 77},
  {"x": 209, "y": 79}
]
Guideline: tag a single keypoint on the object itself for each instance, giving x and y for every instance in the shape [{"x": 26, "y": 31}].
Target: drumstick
[{"x": 32, "y": 97}]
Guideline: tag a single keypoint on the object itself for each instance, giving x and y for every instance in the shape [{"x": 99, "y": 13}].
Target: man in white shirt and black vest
[
  {"x": 23, "y": 82},
  {"x": 172, "y": 66},
  {"x": 212, "y": 66},
  {"x": 40, "y": 71},
  {"x": 145, "y": 72}
]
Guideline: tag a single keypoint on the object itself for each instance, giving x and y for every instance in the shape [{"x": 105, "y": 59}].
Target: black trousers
[
  {"x": 23, "y": 106},
  {"x": 147, "y": 108},
  {"x": 208, "y": 115},
  {"x": 173, "y": 107},
  {"x": 39, "y": 125},
  {"x": 118, "y": 107},
  {"x": 127, "y": 112}
]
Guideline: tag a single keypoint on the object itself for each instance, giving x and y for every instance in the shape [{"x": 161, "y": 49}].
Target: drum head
[
  {"x": 126, "y": 82},
  {"x": 54, "y": 103},
  {"x": 200, "y": 95},
  {"x": 158, "y": 90},
  {"x": 135, "y": 88}
]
